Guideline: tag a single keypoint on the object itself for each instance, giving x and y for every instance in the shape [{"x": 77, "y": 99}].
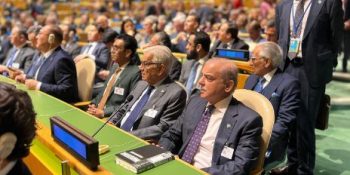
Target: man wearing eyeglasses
[
  {"x": 157, "y": 100},
  {"x": 281, "y": 89}
]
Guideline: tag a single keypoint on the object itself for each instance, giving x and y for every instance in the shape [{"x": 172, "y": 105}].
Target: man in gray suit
[
  {"x": 198, "y": 46},
  {"x": 158, "y": 100},
  {"x": 216, "y": 133},
  {"x": 21, "y": 55},
  {"x": 310, "y": 34}
]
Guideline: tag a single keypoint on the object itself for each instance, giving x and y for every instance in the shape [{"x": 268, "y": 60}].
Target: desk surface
[{"x": 47, "y": 106}]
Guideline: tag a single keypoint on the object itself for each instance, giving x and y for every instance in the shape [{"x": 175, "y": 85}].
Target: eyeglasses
[
  {"x": 148, "y": 63},
  {"x": 253, "y": 59}
]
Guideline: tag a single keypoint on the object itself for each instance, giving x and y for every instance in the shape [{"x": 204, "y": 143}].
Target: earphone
[
  {"x": 51, "y": 39},
  {"x": 7, "y": 144}
]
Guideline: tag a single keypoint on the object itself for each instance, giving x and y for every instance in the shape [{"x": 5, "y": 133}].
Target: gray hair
[
  {"x": 270, "y": 50},
  {"x": 34, "y": 29},
  {"x": 161, "y": 54}
]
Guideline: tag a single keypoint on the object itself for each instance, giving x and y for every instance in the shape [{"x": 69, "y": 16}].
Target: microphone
[{"x": 128, "y": 99}]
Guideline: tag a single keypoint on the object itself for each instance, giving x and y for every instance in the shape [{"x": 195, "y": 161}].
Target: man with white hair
[
  {"x": 157, "y": 100},
  {"x": 282, "y": 90}
]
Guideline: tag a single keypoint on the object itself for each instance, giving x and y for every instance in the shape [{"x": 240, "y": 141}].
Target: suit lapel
[
  {"x": 252, "y": 82},
  {"x": 272, "y": 86},
  {"x": 314, "y": 11},
  {"x": 225, "y": 130},
  {"x": 285, "y": 21},
  {"x": 46, "y": 64}
]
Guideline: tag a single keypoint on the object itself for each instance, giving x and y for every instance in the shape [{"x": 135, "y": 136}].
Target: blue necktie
[
  {"x": 129, "y": 123},
  {"x": 35, "y": 67},
  {"x": 192, "y": 77},
  {"x": 197, "y": 135},
  {"x": 260, "y": 85},
  {"x": 11, "y": 59}
]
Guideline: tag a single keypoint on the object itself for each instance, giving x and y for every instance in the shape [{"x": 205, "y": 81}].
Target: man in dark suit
[
  {"x": 119, "y": 87},
  {"x": 310, "y": 46},
  {"x": 346, "y": 48},
  {"x": 162, "y": 38},
  {"x": 281, "y": 89},
  {"x": 216, "y": 132},
  {"x": 198, "y": 46},
  {"x": 21, "y": 55},
  {"x": 56, "y": 72},
  {"x": 158, "y": 100},
  {"x": 96, "y": 50},
  {"x": 228, "y": 39},
  {"x": 69, "y": 43}
]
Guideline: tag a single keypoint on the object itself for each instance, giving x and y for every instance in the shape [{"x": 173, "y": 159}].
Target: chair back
[
  {"x": 263, "y": 107},
  {"x": 86, "y": 69}
]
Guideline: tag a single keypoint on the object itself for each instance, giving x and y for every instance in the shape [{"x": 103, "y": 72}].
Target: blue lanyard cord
[{"x": 295, "y": 27}]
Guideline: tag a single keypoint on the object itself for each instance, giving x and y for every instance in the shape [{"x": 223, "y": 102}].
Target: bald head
[{"x": 219, "y": 80}]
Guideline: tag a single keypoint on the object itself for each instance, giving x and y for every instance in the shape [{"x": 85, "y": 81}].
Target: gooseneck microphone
[{"x": 120, "y": 110}]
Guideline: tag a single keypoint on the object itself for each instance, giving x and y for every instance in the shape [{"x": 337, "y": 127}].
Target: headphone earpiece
[
  {"x": 7, "y": 144},
  {"x": 51, "y": 39}
]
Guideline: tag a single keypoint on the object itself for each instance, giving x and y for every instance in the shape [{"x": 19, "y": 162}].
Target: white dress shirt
[{"x": 203, "y": 157}]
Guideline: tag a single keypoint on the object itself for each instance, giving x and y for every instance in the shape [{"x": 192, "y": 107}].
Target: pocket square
[{"x": 275, "y": 94}]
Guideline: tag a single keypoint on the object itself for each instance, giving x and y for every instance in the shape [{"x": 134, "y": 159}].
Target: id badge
[
  {"x": 151, "y": 113},
  {"x": 15, "y": 65},
  {"x": 227, "y": 152},
  {"x": 119, "y": 91},
  {"x": 294, "y": 45}
]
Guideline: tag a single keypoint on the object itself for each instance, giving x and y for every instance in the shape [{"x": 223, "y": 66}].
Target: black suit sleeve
[
  {"x": 337, "y": 25},
  {"x": 66, "y": 81},
  {"x": 287, "y": 112},
  {"x": 102, "y": 58}
]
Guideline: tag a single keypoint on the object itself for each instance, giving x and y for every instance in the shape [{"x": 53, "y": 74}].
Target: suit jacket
[
  {"x": 186, "y": 70},
  {"x": 235, "y": 44},
  {"x": 283, "y": 92},
  {"x": 58, "y": 76},
  {"x": 24, "y": 57},
  {"x": 321, "y": 41},
  {"x": 168, "y": 100},
  {"x": 175, "y": 70},
  {"x": 5, "y": 46},
  {"x": 73, "y": 49},
  {"x": 102, "y": 55},
  {"x": 240, "y": 129},
  {"x": 127, "y": 81}
]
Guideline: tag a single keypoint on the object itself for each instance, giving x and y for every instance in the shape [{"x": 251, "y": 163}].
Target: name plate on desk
[
  {"x": 240, "y": 55},
  {"x": 79, "y": 144}
]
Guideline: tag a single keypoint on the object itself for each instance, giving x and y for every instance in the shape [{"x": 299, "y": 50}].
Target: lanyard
[{"x": 295, "y": 27}]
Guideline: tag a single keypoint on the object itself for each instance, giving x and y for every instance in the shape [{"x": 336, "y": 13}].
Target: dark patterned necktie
[{"x": 198, "y": 133}]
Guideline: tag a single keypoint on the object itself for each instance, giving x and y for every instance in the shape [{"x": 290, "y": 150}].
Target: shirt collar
[
  {"x": 203, "y": 59},
  {"x": 222, "y": 105},
  {"x": 48, "y": 53},
  {"x": 269, "y": 75},
  {"x": 159, "y": 82}
]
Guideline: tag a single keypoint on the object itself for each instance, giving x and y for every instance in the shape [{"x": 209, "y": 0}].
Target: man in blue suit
[
  {"x": 55, "y": 73},
  {"x": 216, "y": 133},
  {"x": 310, "y": 35},
  {"x": 281, "y": 89}
]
